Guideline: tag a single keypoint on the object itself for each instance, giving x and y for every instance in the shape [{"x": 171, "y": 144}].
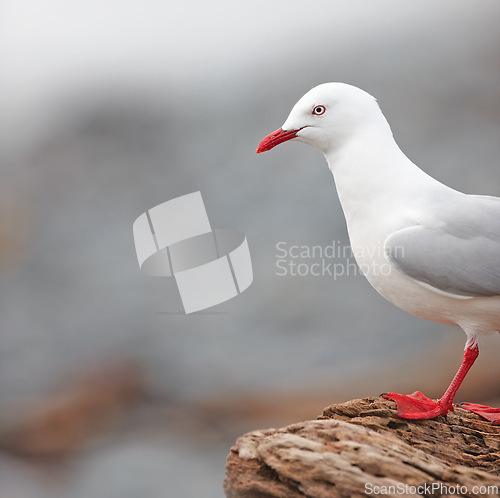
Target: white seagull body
[{"x": 431, "y": 250}]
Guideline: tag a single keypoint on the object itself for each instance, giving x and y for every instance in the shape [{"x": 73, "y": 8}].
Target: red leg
[{"x": 416, "y": 406}]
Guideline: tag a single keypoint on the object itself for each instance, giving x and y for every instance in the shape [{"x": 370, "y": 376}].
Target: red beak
[{"x": 275, "y": 138}]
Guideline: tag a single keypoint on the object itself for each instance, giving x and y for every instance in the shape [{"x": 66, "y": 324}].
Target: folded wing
[{"x": 459, "y": 255}]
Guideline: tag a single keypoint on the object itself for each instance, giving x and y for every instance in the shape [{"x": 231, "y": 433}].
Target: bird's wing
[{"x": 459, "y": 255}]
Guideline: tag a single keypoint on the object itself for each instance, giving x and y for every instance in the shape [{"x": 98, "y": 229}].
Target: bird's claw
[
  {"x": 417, "y": 406},
  {"x": 486, "y": 412}
]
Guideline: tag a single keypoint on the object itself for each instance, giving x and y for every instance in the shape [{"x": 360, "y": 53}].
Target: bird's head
[{"x": 326, "y": 117}]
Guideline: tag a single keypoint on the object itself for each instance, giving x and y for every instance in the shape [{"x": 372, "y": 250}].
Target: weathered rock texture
[{"x": 361, "y": 448}]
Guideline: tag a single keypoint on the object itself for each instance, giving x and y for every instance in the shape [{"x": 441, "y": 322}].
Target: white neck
[{"x": 374, "y": 177}]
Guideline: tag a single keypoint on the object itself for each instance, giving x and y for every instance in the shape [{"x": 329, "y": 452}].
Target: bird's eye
[{"x": 319, "y": 110}]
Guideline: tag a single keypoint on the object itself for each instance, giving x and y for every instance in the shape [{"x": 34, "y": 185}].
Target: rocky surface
[{"x": 361, "y": 448}]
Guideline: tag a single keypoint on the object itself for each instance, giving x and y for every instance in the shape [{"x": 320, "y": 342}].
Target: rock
[{"x": 361, "y": 448}]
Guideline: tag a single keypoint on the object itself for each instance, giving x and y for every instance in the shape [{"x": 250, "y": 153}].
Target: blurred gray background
[{"x": 108, "y": 109}]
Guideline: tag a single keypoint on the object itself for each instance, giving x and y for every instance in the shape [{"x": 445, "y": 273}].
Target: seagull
[{"x": 429, "y": 249}]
